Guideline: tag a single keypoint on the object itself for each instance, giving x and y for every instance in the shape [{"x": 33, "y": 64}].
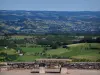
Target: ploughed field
[{"x": 87, "y": 51}]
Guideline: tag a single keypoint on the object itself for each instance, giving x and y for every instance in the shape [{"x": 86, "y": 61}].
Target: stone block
[
  {"x": 64, "y": 70},
  {"x": 42, "y": 70}
]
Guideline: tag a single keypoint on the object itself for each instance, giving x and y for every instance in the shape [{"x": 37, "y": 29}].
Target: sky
[{"x": 51, "y": 5}]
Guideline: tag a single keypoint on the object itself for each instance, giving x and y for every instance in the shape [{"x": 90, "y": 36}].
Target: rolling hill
[{"x": 49, "y": 22}]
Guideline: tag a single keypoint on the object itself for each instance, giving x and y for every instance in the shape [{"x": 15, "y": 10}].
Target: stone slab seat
[
  {"x": 52, "y": 70},
  {"x": 35, "y": 71}
]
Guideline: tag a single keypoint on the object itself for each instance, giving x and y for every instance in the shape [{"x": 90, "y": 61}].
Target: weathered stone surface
[
  {"x": 63, "y": 70},
  {"x": 42, "y": 70}
]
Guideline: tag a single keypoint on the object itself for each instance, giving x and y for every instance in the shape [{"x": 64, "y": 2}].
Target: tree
[
  {"x": 2, "y": 54},
  {"x": 98, "y": 60},
  {"x": 45, "y": 48},
  {"x": 12, "y": 44},
  {"x": 54, "y": 46}
]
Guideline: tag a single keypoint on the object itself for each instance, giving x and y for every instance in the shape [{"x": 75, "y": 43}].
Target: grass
[
  {"x": 20, "y": 37},
  {"x": 12, "y": 53},
  {"x": 35, "y": 50},
  {"x": 57, "y": 51},
  {"x": 79, "y": 51},
  {"x": 27, "y": 58},
  {"x": 8, "y": 51},
  {"x": 29, "y": 51},
  {"x": 90, "y": 57},
  {"x": 89, "y": 51}
]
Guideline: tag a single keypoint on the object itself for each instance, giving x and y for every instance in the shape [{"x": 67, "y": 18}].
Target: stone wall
[
  {"x": 82, "y": 65},
  {"x": 73, "y": 65}
]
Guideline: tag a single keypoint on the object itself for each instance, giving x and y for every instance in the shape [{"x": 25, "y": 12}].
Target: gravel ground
[{"x": 70, "y": 72}]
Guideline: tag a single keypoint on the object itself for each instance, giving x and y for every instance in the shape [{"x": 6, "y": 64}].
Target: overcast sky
[{"x": 54, "y": 5}]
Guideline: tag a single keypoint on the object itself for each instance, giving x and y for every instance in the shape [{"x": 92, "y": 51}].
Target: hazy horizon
[
  {"x": 50, "y": 5},
  {"x": 56, "y": 10}
]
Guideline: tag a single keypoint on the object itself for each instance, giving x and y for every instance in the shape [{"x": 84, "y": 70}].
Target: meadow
[{"x": 89, "y": 51}]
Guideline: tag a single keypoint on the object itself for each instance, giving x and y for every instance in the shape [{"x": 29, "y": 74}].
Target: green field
[
  {"x": 58, "y": 51},
  {"x": 79, "y": 51},
  {"x": 90, "y": 51},
  {"x": 27, "y": 58},
  {"x": 28, "y": 49},
  {"x": 20, "y": 37}
]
